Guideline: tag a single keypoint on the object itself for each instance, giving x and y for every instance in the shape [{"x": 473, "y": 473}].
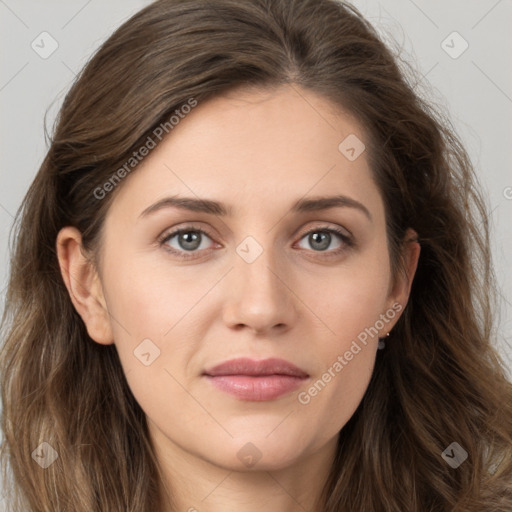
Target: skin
[{"x": 257, "y": 151}]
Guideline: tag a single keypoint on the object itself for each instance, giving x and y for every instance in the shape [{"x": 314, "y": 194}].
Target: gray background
[{"x": 474, "y": 87}]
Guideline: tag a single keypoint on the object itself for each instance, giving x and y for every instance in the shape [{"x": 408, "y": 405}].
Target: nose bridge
[
  {"x": 256, "y": 266},
  {"x": 260, "y": 298}
]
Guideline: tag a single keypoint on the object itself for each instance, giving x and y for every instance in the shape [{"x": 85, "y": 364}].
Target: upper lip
[{"x": 246, "y": 366}]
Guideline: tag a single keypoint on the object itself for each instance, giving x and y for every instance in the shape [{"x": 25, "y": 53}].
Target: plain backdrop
[{"x": 461, "y": 49}]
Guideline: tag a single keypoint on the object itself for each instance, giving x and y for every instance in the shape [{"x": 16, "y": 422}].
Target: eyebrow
[{"x": 217, "y": 208}]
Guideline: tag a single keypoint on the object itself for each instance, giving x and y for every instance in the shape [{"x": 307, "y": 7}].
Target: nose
[{"x": 259, "y": 297}]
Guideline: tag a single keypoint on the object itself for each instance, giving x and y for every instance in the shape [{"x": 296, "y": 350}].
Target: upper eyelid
[{"x": 174, "y": 231}]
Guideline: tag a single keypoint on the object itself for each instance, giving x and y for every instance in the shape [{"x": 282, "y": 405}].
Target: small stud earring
[{"x": 381, "y": 345}]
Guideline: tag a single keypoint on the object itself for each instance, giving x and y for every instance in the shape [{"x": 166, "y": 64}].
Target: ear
[
  {"x": 399, "y": 295},
  {"x": 84, "y": 286}
]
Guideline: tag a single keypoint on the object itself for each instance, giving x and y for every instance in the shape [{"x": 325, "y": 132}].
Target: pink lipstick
[{"x": 258, "y": 381}]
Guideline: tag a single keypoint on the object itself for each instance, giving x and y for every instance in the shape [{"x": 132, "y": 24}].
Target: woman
[{"x": 252, "y": 271}]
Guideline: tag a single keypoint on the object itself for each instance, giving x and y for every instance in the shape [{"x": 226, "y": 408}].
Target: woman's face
[{"x": 245, "y": 280}]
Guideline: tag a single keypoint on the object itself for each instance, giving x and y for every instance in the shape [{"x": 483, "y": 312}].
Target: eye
[
  {"x": 187, "y": 240},
  {"x": 321, "y": 238}
]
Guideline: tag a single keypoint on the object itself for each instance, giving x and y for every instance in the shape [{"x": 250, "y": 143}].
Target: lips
[
  {"x": 250, "y": 367},
  {"x": 251, "y": 380}
]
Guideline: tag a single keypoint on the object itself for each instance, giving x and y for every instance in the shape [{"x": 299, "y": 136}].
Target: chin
[{"x": 257, "y": 453}]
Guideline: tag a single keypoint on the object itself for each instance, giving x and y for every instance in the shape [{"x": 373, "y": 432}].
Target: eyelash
[{"x": 347, "y": 240}]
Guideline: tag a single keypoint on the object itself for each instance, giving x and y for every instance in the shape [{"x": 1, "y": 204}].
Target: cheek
[
  {"x": 150, "y": 302},
  {"x": 350, "y": 304},
  {"x": 337, "y": 393},
  {"x": 345, "y": 360},
  {"x": 142, "y": 310},
  {"x": 148, "y": 299},
  {"x": 148, "y": 318},
  {"x": 352, "y": 298}
]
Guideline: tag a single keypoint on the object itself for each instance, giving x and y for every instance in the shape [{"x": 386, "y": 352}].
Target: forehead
[{"x": 256, "y": 148}]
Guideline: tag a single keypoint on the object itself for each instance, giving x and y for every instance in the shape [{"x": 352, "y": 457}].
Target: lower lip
[{"x": 257, "y": 389}]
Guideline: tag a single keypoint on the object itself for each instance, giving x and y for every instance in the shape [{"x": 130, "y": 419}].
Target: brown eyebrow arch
[{"x": 216, "y": 208}]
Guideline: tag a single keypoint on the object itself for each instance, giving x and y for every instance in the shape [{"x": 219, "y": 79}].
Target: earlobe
[{"x": 83, "y": 285}]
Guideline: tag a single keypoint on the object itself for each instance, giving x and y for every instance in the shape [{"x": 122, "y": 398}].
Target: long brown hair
[{"x": 439, "y": 381}]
